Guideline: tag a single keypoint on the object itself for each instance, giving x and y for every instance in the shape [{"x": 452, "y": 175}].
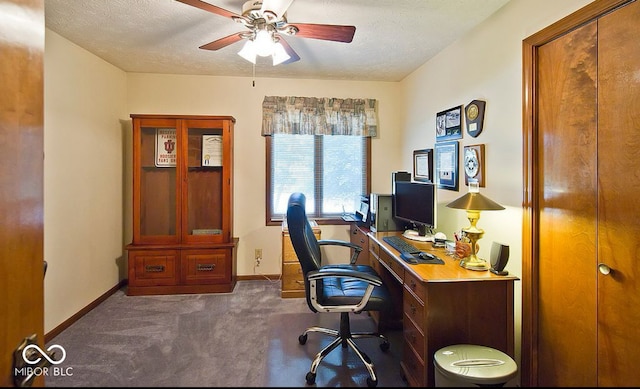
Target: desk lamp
[{"x": 474, "y": 202}]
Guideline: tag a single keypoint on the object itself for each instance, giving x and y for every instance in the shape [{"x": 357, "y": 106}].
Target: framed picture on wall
[
  {"x": 473, "y": 162},
  {"x": 423, "y": 165},
  {"x": 449, "y": 124},
  {"x": 446, "y": 154}
]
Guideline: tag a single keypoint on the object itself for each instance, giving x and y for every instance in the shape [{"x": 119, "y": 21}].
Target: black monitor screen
[{"x": 415, "y": 202}]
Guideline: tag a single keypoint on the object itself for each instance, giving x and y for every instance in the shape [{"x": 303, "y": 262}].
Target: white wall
[
  {"x": 486, "y": 64},
  {"x": 83, "y": 178}
]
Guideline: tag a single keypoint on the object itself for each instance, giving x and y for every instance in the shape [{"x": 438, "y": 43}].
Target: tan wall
[{"x": 83, "y": 180}]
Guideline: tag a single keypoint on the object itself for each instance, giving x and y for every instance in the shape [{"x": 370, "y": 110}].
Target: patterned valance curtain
[{"x": 319, "y": 116}]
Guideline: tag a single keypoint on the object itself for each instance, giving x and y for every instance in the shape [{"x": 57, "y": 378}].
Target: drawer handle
[
  {"x": 299, "y": 282},
  {"x": 206, "y": 266},
  {"x": 154, "y": 268},
  {"x": 412, "y": 308},
  {"x": 412, "y": 283},
  {"x": 413, "y": 338}
]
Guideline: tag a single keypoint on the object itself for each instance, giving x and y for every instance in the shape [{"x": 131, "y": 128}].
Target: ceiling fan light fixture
[
  {"x": 264, "y": 43},
  {"x": 279, "y": 54},
  {"x": 248, "y": 51}
]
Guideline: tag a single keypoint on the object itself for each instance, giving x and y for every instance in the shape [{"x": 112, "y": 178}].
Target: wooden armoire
[
  {"x": 182, "y": 205},
  {"x": 581, "y": 279}
]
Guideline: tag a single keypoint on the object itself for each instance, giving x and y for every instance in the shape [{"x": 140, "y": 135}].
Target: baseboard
[
  {"x": 67, "y": 323},
  {"x": 258, "y": 277}
]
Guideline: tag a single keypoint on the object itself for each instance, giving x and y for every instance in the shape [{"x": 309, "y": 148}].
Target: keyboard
[{"x": 401, "y": 245}]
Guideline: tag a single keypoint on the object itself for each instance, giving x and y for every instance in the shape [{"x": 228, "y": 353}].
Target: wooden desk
[{"x": 441, "y": 305}]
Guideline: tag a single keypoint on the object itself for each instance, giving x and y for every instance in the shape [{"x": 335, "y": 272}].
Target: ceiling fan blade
[
  {"x": 223, "y": 42},
  {"x": 328, "y": 32},
  {"x": 278, "y": 7},
  {"x": 294, "y": 56},
  {"x": 211, "y": 8}
]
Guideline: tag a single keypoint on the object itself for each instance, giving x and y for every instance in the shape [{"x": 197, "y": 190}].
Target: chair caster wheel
[
  {"x": 384, "y": 346},
  {"x": 311, "y": 378},
  {"x": 302, "y": 339},
  {"x": 370, "y": 383}
]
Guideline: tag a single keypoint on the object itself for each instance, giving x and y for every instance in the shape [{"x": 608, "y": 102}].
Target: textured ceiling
[{"x": 392, "y": 39}]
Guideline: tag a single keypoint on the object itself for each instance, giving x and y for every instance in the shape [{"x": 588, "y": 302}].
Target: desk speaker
[{"x": 499, "y": 258}]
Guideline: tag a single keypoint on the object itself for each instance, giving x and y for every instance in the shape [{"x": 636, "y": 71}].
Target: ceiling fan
[{"x": 267, "y": 24}]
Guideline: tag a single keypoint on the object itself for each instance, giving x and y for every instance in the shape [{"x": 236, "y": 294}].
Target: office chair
[{"x": 339, "y": 288}]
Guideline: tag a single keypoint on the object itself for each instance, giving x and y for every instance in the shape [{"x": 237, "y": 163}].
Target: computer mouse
[{"x": 427, "y": 256}]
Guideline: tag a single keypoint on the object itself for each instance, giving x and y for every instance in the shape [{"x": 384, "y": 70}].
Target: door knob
[{"x": 604, "y": 269}]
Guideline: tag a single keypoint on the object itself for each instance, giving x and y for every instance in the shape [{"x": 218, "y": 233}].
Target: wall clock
[
  {"x": 473, "y": 158},
  {"x": 474, "y": 115}
]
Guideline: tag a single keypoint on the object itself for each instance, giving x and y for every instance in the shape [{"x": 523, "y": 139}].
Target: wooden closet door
[
  {"x": 618, "y": 196},
  {"x": 567, "y": 191}
]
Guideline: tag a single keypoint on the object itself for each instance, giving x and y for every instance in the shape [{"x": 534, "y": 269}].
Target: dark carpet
[{"x": 246, "y": 338}]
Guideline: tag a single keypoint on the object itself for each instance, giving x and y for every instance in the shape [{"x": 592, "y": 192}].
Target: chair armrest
[
  {"x": 372, "y": 280},
  {"x": 334, "y": 242},
  {"x": 344, "y": 273}
]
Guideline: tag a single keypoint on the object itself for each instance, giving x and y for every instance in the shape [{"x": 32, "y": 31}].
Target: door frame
[{"x": 531, "y": 174}]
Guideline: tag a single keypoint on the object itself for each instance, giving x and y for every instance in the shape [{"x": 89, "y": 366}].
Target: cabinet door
[
  {"x": 206, "y": 212},
  {"x": 156, "y": 194}
]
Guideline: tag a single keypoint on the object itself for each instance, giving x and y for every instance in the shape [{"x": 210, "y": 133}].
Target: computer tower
[
  {"x": 400, "y": 176},
  {"x": 381, "y": 213}
]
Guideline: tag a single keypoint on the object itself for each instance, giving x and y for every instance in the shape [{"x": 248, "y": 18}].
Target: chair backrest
[{"x": 302, "y": 237}]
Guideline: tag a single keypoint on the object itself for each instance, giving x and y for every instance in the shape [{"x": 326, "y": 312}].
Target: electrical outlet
[{"x": 258, "y": 256}]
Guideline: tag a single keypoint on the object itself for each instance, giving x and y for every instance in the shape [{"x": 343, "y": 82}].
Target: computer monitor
[
  {"x": 415, "y": 203},
  {"x": 363, "y": 212}
]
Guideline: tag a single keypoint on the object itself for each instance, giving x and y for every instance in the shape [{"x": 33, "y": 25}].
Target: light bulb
[{"x": 264, "y": 43}]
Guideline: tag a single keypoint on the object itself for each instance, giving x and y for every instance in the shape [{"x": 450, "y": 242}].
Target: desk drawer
[
  {"x": 394, "y": 267},
  {"x": 413, "y": 368},
  {"x": 418, "y": 288},
  {"x": 413, "y": 337},
  {"x": 374, "y": 248},
  {"x": 413, "y": 308}
]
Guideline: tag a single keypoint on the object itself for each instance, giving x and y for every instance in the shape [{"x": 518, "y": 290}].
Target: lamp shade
[
  {"x": 279, "y": 54},
  {"x": 475, "y": 201},
  {"x": 248, "y": 52}
]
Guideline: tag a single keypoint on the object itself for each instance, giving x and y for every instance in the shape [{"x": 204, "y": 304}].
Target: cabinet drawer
[
  {"x": 292, "y": 277},
  {"x": 288, "y": 252},
  {"x": 413, "y": 308},
  {"x": 418, "y": 288},
  {"x": 414, "y": 368},
  {"x": 152, "y": 268},
  {"x": 205, "y": 266},
  {"x": 413, "y": 337}
]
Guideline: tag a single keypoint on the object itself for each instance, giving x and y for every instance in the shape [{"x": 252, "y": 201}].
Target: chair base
[{"x": 345, "y": 338}]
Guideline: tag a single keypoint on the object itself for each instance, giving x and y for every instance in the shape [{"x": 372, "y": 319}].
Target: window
[{"x": 331, "y": 170}]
